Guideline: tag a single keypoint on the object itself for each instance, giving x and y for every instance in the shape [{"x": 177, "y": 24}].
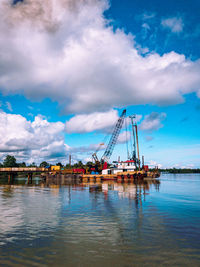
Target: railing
[{"x": 25, "y": 169}]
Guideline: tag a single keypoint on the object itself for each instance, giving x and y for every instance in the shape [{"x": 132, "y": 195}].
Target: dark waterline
[{"x": 152, "y": 223}]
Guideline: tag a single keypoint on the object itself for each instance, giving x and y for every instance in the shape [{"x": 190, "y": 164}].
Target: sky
[{"x": 68, "y": 68}]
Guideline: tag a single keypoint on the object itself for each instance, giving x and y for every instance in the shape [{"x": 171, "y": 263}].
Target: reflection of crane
[{"x": 113, "y": 140}]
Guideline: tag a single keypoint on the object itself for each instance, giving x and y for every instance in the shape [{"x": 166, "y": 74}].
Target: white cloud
[
  {"x": 153, "y": 164},
  {"x": 146, "y": 26},
  {"x": 174, "y": 24},
  {"x": 152, "y": 122},
  {"x": 97, "y": 121},
  {"x": 124, "y": 137},
  {"x": 31, "y": 141},
  {"x": 91, "y": 122},
  {"x": 181, "y": 154},
  {"x": 185, "y": 166},
  {"x": 85, "y": 160},
  {"x": 67, "y": 52},
  {"x": 137, "y": 118},
  {"x": 9, "y": 106},
  {"x": 146, "y": 16}
]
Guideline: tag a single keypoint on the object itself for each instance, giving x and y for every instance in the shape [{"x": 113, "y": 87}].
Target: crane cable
[
  {"x": 105, "y": 138},
  {"x": 103, "y": 142},
  {"x": 131, "y": 139},
  {"x": 127, "y": 139}
]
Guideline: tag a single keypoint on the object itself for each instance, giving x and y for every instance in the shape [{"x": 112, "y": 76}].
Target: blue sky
[{"x": 66, "y": 74}]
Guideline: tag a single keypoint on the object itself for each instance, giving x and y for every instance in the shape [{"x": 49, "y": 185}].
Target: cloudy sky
[{"x": 69, "y": 67}]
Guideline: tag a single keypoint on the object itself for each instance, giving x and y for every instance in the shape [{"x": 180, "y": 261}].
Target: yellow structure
[{"x": 55, "y": 168}]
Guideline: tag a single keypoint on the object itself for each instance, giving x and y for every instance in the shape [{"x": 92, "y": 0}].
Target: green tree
[
  {"x": 22, "y": 165},
  {"x": 89, "y": 163},
  {"x": 9, "y": 161},
  {"x": 59, "y": 164},
  {"x": 33, "y": 164},
  {"x": 44, "y": 164},
  {"x": 68, "y": 166},
  {"x": 79, "y": 164}
]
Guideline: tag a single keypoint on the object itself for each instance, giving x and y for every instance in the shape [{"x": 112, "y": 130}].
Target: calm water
[{"x": 109, "y": 224}]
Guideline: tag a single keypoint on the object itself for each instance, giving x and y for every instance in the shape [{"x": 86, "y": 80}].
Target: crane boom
[{"x": 114, "y": 137}]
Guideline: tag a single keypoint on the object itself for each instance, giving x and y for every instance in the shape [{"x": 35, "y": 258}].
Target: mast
[
  {"x": 132, "y": 117},
  {"x": 135, "y": 157},
  {"x": 137, "y": 145}
]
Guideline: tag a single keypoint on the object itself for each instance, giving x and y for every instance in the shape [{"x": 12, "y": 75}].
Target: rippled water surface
[{"x": 155, "y": 223}]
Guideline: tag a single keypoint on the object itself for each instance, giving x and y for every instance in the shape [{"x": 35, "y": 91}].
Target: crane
[{"x": 113, "y": 140}]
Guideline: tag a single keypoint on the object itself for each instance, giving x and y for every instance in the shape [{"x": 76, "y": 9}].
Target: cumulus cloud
[
  {"x": 92, "y": 122},
  {"x": 124, "y": 137},
  {"x": 66, "y": 50},
  {"x": 152, "y": 122},
  {"x": 174, "y": 24},
  {"x": 38, "y": 140},
  {"x": 32, "y": 141},
  {"x": 99, "y": 121},
  {"x": 153, "y": 164}
]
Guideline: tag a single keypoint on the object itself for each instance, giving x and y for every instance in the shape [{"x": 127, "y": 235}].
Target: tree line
[
  {"x": 185, "y": 170},
  {"x": 10, "y": 161}
]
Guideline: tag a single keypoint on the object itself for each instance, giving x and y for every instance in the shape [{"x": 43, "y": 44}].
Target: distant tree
[
  {"x": 89, "y": 163},
  {"x": 1, "y": 165},
  {"x": 33, "y": 164},
  {"x": 79, "y": 164},
  {"x": 174, "y": 170},
  {"x": 68, "y": 166},
  {"x": 9, "y": 161},
  {"x": 22, "y": 165},
  {"x": 44, "y": 164},
  {"x": 59, "y": 164}
]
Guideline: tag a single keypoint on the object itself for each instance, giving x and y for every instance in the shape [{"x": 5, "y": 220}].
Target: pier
[
  {"x": 28, "y": 171},
  {"x": 45, "y": 173},
  {"x": 68, "y": 174}
]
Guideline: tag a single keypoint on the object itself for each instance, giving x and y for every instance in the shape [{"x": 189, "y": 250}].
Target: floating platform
[
  {"x": 125, "y": 176},
  {"x": 119, "y": 176}
]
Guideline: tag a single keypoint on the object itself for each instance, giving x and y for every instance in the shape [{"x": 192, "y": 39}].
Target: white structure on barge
[{"x": 121, "y": 166}]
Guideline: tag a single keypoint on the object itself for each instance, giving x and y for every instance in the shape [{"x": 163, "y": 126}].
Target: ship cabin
[{"x": 120, "y": 166}]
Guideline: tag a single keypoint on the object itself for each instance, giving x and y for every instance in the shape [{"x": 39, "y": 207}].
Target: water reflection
[
  {"x": 39, "y": 205},
  {"x": 76, "y": 223},
  {"x": 133, "y": 191},
  {"x": 130, "y": 190}
]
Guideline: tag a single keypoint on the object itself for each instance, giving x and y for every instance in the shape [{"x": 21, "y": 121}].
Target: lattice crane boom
[{"x": 113, "y": 140}]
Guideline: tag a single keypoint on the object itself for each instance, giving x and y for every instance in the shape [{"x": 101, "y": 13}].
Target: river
[{"x": 153, "y": 223}]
